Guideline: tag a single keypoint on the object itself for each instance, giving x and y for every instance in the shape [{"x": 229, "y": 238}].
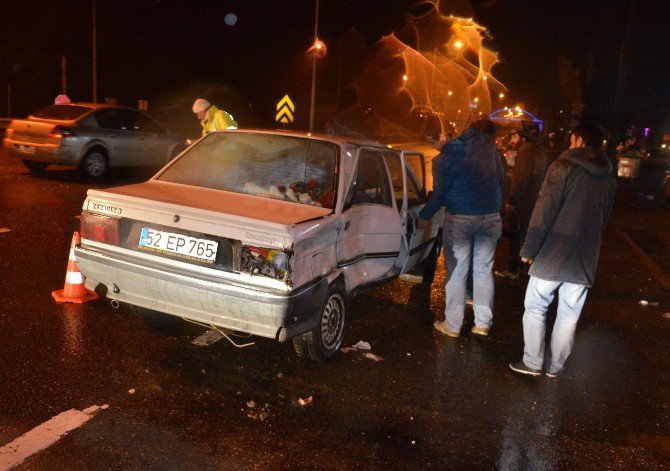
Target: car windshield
[
  {"x": 61, "y": 112},
  {"x": 280, "y": 167}
]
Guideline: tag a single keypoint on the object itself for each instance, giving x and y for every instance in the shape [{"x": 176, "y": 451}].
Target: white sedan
[{"x": 263, "y": 232}]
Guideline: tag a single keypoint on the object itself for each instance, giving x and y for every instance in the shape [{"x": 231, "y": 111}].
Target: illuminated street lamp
[
  {"x": 404, "y": 78},
  {"x": 501, "y": 96},
  {"x": 476, "y": 100},
  {"x": 318, "y": 49}
]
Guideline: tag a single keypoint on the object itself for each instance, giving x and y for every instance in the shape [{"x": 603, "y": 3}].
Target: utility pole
[
  {"x": 621, "y": 81},
  {"x": 315, "y": 51},
  {"x": 63, "y": 74},
  {"x": 95, "y": 54}
]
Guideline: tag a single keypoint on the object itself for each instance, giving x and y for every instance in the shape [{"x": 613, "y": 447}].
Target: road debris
[
  {"x": 645, "y": 303},
  {"x": 131, "y": 391},
  {"x": 306, "y": 401},
  {"x": 372, "y": 356},
  {"x": 258, "y": 413},
  {"x": 362, "y": 345},
  {"x": 208, "y": 338}
]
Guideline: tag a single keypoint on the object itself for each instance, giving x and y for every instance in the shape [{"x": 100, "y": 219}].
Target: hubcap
[
  {"x": 95, "y": 165},
  {"x": 332, "y": 321}
]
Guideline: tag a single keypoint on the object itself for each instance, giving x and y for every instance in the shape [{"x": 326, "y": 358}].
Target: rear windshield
[
  {"x": 270, "y": 166},
  {"x": 61, "y": 112}
]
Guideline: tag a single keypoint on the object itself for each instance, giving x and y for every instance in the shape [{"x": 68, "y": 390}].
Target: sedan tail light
[
  {"x": 60, "y": 132},
  {"x": 99, "y": 228}
]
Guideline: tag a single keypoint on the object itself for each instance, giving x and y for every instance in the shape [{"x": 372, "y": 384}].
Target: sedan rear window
[
  {"x": 61, "y": 112},
  {"x": 271, "y": 166}
]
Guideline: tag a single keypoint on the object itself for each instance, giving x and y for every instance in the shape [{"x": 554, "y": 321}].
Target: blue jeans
[
  {"x": 539, "y": 295},
  {"x": 469, "y": 237}
]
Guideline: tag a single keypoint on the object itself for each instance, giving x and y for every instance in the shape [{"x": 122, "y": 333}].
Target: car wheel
[
  {"x": 35, "y": 167},
  {"x": 431, "y": 262},
  {"x": 94, "y": 164},
  {"x": 324, "y": 342}
]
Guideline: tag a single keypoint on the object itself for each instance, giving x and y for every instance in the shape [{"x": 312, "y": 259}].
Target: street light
[{"x": 317, "y": 49}]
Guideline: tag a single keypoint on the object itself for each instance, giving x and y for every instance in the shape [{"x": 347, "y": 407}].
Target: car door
[
  {"x": 410, "y": 198},
  {"x": 370, "y": 233},
  {"x": 156, "y": 148},
  {"x": 116, "y": 129}
]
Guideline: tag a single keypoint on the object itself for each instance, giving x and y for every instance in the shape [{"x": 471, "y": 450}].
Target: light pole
[
  {"x": 95, "y": 55},
  {"x": 316, "y": 46}
]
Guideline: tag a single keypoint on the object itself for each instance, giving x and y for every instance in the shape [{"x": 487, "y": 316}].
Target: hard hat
[{"x": 200, "y": 105}]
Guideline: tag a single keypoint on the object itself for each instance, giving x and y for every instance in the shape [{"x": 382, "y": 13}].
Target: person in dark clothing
[
  {"x": 563, "y": 246},
  {"x": 530, "y": 167},
  {"x": 468, "y": 179}
]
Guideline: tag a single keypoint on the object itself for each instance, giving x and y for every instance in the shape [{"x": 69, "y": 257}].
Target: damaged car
[{"x": 268, "y": 233}]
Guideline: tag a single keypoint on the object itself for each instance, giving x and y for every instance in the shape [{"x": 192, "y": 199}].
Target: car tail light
[
  {"x": 268, "y": 262},
  {"x": 60, "y": 132},
  {"x": 99, "y": 228}
]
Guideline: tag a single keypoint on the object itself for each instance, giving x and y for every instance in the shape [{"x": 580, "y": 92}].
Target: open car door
[{"x": 408, "y": 176}]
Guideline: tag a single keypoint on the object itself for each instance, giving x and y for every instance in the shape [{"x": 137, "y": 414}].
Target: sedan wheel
[
  {"x": 325, "y": 341},
  {"x": 94, "y": 164},
  {"x": 35, "y": 167}
]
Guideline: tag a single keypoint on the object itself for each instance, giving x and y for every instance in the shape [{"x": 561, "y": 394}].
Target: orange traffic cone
[{"x": 74, "y": 290}]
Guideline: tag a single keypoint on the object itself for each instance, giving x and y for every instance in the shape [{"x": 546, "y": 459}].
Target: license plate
[
  {"x": 182, "y": 245},
  {"x": 25, "y": 149}
]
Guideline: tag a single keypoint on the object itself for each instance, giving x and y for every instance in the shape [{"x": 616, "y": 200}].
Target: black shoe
[{"x": 520, "y": 367}]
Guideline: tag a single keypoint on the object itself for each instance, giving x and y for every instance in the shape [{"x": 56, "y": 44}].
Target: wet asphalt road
[{"x": 432, "y": 403}]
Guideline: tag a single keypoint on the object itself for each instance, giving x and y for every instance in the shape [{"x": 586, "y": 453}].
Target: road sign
[{"x": 285, "y": 110}]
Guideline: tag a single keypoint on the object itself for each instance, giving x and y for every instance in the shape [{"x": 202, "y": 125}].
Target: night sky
[{"x": 164, "y": 49}]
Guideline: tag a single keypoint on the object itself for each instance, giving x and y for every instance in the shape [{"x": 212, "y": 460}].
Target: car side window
[
  {"x": 395, "y": 169},
  {"x": 108, "y": 119},
  {"x": 371, "y": 185},
  {"x": 415, "y": 196},
  {"x": 144, "y": 123}
]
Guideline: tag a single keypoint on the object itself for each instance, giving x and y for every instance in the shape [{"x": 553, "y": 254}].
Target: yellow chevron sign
[{"x": 285, "y": 110}]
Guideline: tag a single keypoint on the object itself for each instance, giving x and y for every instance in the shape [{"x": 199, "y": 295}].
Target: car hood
[{"x": 236, "y": 204}]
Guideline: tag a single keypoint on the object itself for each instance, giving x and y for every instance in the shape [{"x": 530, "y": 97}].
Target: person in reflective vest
[{"x": 212, "y": 118}]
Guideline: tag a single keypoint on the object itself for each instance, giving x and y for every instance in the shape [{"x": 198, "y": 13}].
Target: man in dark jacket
[
  {"x": 563, "y": 245},
  {"x": 530, "y": 167},
  {"x": 468, "y": 177}
]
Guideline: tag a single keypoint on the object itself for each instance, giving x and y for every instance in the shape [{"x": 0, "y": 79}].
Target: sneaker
[
  {"x": 468, "y": 301},
  {"x": 520, "y": 367},
  {"x": 442, "y": 328},
  {"x": 508, "y": 275},
  {"x": 555, "y": 374},
  {"x": 480, "y": 331}
]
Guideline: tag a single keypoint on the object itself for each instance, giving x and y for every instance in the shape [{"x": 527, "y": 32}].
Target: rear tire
[
  {"x": 34, "y": 166},
  {"x": 94, "y": 164},
  {"x": 323, "y": 344}
]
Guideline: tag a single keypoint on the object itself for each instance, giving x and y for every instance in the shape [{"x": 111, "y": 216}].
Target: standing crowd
[{"x": 555, "y": 216}]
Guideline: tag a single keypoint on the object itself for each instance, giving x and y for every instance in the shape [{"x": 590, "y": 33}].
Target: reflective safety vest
[{"x": 217, "y": 119}]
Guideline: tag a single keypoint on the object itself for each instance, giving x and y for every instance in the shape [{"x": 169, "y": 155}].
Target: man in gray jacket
[{"x": 563, "y": 245}]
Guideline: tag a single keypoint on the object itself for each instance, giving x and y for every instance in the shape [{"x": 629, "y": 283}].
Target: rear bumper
[
  {"x": 207, "y": 300},
  {"x": 47, "y": 153}
]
